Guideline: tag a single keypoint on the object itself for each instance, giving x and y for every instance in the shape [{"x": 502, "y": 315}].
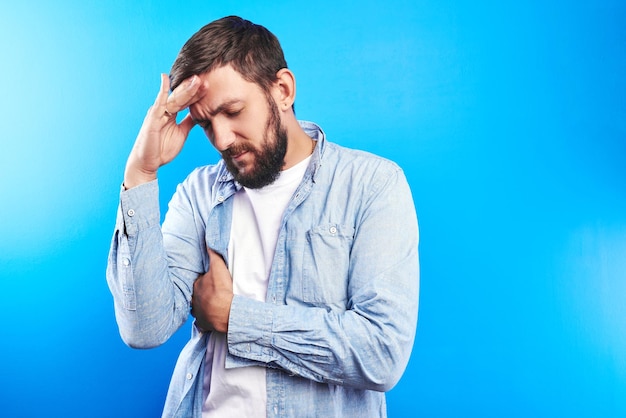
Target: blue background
[{"x": 509, "y": 119}]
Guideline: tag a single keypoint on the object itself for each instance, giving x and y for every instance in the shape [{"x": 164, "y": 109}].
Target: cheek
[
  {"x": 251, "y": 129},
  {"x": 208, "y": 132}
]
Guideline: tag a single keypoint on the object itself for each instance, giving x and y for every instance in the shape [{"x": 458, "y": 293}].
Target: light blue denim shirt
[{"x": 338, "y": 324}]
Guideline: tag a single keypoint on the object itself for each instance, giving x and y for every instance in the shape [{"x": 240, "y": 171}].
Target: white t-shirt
[{"x": 257, "y": 216}]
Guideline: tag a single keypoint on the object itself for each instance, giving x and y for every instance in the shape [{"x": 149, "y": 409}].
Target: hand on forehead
[{"x": 190, "y": 91}]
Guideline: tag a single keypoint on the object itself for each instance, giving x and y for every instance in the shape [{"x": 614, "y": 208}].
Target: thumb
[
  {"x": 185, "y": 126},
  {"x": 214, "y": 256}
]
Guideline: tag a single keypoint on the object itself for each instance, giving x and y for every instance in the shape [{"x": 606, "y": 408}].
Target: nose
[{"x": 222, "y": 136}]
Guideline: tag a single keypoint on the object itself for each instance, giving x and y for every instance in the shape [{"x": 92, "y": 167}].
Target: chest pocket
[{"x": 326, "y": 263}]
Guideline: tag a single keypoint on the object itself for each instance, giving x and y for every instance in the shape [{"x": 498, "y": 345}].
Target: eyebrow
[{"x": 222, "y": 107}]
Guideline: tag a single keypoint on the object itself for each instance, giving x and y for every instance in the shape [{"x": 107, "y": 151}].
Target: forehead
[{"x": 220, "y": 86}]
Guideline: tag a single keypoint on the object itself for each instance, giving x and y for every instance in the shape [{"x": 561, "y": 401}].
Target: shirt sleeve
[
  {"x": 151, "y": 287},
  {"x": 368, "y": 345}
]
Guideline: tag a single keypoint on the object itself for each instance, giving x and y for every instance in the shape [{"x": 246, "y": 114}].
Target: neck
[{"x": 299, "y": 144}]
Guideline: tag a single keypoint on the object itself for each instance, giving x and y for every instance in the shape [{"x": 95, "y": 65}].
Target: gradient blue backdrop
[{"x": 509, "y": 119}]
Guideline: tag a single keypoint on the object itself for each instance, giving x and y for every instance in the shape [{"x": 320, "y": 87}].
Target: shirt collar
[{"x": 316, "y": 133}]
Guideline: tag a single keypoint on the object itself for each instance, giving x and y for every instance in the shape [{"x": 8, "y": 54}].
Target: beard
[{"x": 268, "y": 159}]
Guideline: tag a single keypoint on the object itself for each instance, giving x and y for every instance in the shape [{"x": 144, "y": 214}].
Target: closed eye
[
  {"x": 233, "y": 113},
  {"x": 204, "y": 124}
]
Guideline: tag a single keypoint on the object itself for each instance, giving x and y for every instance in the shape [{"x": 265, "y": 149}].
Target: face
[{"x": 243, "y": 123}]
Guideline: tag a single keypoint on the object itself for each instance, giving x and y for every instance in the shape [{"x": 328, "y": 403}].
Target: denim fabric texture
[{"x": 337, "y": 327}]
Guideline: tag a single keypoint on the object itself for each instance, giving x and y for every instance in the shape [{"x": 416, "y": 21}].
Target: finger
[
  {"x": 186, "y": 94},
  {"x": 161, "y": 99}
]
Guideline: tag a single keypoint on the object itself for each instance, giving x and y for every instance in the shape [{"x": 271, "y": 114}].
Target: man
[{"x": 297, "y": 257}]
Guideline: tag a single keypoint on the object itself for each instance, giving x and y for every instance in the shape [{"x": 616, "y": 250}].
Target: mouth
[{"x": 239, "y": 156}]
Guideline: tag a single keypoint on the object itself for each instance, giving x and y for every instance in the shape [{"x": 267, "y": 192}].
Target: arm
[
  {"x": 151, "y": 297},
  {"x": 368, "y": 345},
  {"x": 150, "y": 277}
]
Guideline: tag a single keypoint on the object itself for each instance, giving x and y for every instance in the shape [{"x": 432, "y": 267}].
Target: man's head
[
  {"x": 252, "y": 50},
  {"x": 246, "y": 92}
]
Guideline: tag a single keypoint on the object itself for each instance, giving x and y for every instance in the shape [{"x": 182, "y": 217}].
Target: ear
[{"x": 285, "y": 89}]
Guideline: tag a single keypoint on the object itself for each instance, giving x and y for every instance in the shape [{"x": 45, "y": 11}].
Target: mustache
[{"x": 236, "y": 150}]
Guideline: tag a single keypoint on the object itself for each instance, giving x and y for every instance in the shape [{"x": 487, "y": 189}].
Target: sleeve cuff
[
  {"x": 250, "y": 329},
  {"x": 139, "y": 208}
]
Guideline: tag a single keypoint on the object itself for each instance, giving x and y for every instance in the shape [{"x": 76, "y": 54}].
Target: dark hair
[{"x": 251, "y": 49}]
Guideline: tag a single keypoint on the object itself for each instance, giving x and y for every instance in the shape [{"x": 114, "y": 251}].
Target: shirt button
[
  {"x": 189, "y": 376},
  {"x": 333, "y": 230},
  {"x": 220, "y": 198},
  {"x": 126, "y": 262},
  {"x": 131, "y": 212}
]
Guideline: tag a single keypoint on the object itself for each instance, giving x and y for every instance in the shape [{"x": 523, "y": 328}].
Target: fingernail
[{"x": 194, "y": 78}]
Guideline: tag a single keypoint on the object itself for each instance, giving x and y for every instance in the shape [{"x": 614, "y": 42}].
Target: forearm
[
  {"x": 151, "y": 303},
  {"x": 361, "y": 348}
]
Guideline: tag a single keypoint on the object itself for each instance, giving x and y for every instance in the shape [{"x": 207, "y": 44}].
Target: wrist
[{"x": 133, "y": 178}]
